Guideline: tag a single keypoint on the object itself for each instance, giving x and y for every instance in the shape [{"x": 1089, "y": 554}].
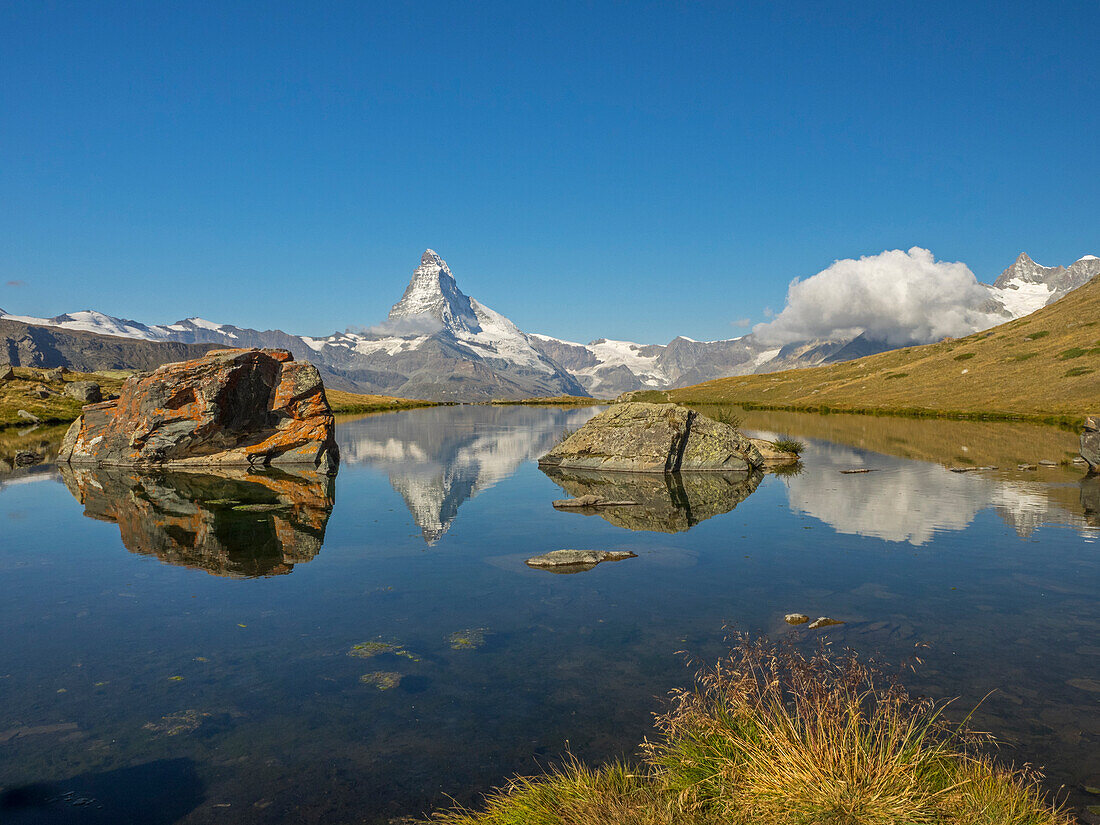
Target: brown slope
[{"x": 1045, "y": 364}]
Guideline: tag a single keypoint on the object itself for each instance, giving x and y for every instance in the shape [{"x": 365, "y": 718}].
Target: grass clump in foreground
[
  {"x": 789, "y": 445},
  {"x": 771, "y": 737}
]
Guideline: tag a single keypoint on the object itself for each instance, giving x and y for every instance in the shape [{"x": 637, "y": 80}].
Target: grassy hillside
[
  {"x": 15, "y": 395},
  {"x": 1043, "y": 366},
  {"x": 352, "y": 402}
]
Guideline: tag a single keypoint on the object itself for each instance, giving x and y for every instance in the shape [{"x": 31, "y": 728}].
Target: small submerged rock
[
  {"x": 576, "y": 561},
  {"x": 470, "y": 639},
  {"x": 382, "y": 679},
  {"x": 796, "y": 618},
  {"x": 368, "y": 650},
  {"x": 856, "y": 471}
]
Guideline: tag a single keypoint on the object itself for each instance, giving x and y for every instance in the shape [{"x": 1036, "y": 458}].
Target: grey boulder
[
  {"x": 86, "y": 392},
  {"x": 654, "y": 438}
]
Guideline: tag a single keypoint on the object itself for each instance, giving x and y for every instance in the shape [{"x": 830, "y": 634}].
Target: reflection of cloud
[
  {"x": 911, "y": 501},
  {"x": 439, "y": 458}
]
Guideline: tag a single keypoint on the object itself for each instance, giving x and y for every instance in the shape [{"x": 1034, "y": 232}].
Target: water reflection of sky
[{"x": 124, "y": 659}]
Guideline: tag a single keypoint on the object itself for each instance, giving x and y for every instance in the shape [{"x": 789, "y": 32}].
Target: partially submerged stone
[
  {"x": 230, "y": 408},
  {"x": 823, "y": 621},
  {"x": 1090, "y": 443},
  {"x": 575, "y": 561},
  {"x": 654, "y": 438},
  {"x": 772, "y": 455},
  {"x": 796, "y": 618}
]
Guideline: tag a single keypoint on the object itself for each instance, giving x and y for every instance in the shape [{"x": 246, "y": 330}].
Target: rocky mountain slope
[
  {"x": 440, "y": 344},
  {"x": 1045, "y": 364}
]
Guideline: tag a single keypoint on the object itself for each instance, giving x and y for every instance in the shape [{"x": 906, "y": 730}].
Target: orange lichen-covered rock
[{"x": 232, "y": 407}]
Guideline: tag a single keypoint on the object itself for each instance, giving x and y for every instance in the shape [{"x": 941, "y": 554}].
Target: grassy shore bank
[
  {"x": 772, "y": 737},
  {"x": 1044, "y": 368},
  {"x": 57, "y": 408},
  {"x": 350, "y": 402},
  {"x": 552, "y": 401}
]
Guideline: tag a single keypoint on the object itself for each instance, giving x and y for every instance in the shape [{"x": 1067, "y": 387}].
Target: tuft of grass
[
  {"x": 1073, "y": 371},
  {"x": 893, "y": 375},
  {"x": 964, "y": 356},
  {"x": 725, "y": 415},
  {"x": 1035, "y": 336},
  {"x": 789, "y": 445},
  {"x": 770, "y": 736}
]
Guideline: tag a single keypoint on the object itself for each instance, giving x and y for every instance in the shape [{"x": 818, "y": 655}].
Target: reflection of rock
[
  {"x": 590, "y": 502},
  {"x": 235, "y": 523},
  {"x": 1090, "y": 442},
  {"x": 666, "y": 502},
  {"x": 647, "y": 438},
  {"x": 1090, "y": 499},
  {"x": 440, "y": 457},
  {"x": 234, "y": 407},
  {"x": 577, "y": 561},
  {"x": 772, "y": 455}
]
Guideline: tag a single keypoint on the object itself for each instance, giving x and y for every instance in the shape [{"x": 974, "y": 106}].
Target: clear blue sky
[{"x": 626, "y": 170}]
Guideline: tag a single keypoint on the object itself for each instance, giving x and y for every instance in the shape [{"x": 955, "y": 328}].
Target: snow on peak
[
  {"x": 1087, "y": 258},
  {"x": 433, "y": 293}
]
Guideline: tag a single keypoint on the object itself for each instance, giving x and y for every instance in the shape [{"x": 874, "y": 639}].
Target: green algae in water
[
  {"x": 382, "y": 679},
  {"x": 470, "y": 639}
]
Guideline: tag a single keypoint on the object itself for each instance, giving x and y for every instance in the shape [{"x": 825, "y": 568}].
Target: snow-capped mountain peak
[
  {"x": 1025, "y": 285},
  {"x": 433, "y": 292}
]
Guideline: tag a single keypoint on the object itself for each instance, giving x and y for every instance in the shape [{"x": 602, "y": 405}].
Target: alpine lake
[{"x": 285, "y": 648}]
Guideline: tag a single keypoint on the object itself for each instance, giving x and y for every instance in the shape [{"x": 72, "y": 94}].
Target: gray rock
[
  {"x": 575, "y": 561},
  {"x": 823, "y": 621},
  {"x": 654, "y": 438},
  {"x": 42, "y": 391},
  {"x": 86, "y": 392},
  {"x": 31, "y": 417},
  {"x": 1090, "y": 443},
  {"x": 796, "y": 618},
  {"x": 6, "y": 372},
  {"x": 57, "y": 374}
]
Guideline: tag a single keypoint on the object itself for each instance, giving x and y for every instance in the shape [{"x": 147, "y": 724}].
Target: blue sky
[{"x": 600, "y": 169}]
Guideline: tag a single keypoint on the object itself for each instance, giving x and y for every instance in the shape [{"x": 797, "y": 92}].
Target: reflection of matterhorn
[{"x": 438, "y": 458}]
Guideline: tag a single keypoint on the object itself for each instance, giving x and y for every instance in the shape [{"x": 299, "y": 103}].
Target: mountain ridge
[{"x": 438, "y": 343}]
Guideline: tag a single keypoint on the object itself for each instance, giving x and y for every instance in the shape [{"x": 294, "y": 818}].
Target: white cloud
[
  {"x": 897, "y": 297},
  {"x": 407, "y": 327}
]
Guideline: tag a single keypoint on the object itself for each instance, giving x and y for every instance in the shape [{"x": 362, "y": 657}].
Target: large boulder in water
[
  {"x": 230, "y": 408},
  {"x": 654, "y": 438},
  {"x": 1090, "y": 443}
]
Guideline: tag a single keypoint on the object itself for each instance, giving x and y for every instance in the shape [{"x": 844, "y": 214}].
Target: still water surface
[{"x": 183, "y": 648}]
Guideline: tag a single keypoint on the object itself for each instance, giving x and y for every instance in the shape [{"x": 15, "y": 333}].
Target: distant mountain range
[{"x": 440, "y": 344}]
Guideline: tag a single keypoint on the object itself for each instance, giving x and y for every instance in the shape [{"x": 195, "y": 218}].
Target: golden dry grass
[
  {"x": 352, "y": 402},
  {"x": 1046, "y": 365},
  {"x": 772, "y": 737}
]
